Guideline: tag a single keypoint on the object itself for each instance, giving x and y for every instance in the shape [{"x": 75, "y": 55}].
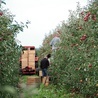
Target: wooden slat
[
  {"x": 31, "y": 52},
  {"x": 31, "y": 80},
  {"x": 24, "y": 59}
]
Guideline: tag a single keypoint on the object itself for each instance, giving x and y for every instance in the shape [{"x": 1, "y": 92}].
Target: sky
[{"x": 44, "y": 17}]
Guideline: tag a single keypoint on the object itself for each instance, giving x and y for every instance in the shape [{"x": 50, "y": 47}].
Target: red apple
[
  {"x": 88, "y": 14},
  {"x": 85, "y": 18},
  {"x": 1, "y": 13},
  {"x": 1, "y": 39},
  {"x": 83, "y": 37},
  {"x": 90, "y": 65}
]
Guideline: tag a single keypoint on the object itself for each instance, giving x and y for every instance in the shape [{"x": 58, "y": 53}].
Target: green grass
[
  {"x": 45, "y": 91},
  {"x": 51, "y": 92}
]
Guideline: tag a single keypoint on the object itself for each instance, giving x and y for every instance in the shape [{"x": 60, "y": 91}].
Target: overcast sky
[{"x": 44, "y": 15}]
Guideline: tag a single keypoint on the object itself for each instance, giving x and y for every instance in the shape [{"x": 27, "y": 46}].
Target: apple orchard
[{"x": 75, "y": 64}]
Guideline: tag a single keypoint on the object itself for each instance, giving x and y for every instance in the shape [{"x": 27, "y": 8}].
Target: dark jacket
[{"x": 44, "y": 63}]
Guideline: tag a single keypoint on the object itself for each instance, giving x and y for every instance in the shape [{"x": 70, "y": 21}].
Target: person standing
[
  {"x": 44, "y": 64},
  {"x": 54, "y": 42}
]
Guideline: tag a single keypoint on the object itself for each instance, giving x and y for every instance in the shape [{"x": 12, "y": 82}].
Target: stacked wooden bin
[{"x": 28, "y": 58}]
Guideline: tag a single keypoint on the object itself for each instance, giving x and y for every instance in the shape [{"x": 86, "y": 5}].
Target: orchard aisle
[{"x": 29, "y": 86}]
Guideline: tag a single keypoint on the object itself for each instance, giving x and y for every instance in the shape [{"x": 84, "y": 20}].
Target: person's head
[
  {"x": 56, "y": 35},
  {"x": 49, "y": 55},
  {"x": 59, "y": 32}
]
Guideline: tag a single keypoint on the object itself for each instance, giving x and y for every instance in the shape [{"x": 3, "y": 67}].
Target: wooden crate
[
  {"x": 25, "y": 52},
  {"x": 31, "y": 57},
  {"x": 31, "y": 60},
  {"x": 24, "y": 64},
  {"x": 24, "y": 56},
  {"x": 31, "y": 52},
  {"x": 40, "y": 73},
  {"x": 24, "y": 59},
  {"x": 32, "y": 63},
  {"x": 28, "y": 58},
  {"x": 32, "y": 80}
]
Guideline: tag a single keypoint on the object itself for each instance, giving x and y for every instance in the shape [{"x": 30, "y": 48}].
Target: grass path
[{"x": 28, "y": 90}]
